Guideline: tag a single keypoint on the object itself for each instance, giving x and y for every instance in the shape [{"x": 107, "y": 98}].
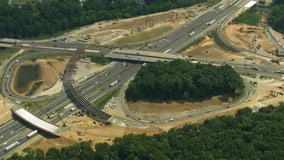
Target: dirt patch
[
  {"x": 171, "y": 109},
  {"x": 249, "y": 37},
  {"x": 208, "y": 49},
  {"x": 83, "y": 129},
  {"x": 5, "y": 111}
]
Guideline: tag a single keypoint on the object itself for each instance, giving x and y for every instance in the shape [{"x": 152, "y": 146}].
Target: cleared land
[
  {"x": 249, "y": 37},
  {"x": 208, "y": 49}
]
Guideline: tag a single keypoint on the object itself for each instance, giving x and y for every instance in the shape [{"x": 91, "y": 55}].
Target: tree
[{"x": 182, "y": 81}]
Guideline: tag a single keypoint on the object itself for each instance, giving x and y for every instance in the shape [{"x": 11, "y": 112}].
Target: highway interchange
[{"x": 17, "y": 131}]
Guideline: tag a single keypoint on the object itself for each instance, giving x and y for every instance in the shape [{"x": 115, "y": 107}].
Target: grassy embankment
[
  {"x": 102, "y": 101},
  {"x": 249, "y": 17},
  {"x": 6, "y": 53},
  {"x": 220, "y": 43},
  {"x": 143, "y": 36},
  {"x": 34, "y": 106}
]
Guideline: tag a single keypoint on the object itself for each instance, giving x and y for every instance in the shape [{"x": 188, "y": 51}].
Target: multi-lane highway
[
  {"x": 15, "y": 131},
  {"x": 200, "y": 26},
  {"x": 10, "y": 131}
]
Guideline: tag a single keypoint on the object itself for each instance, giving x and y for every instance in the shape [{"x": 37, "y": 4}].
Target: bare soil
[
  {"x": 249, "y": 37},
  {"x": 208, "y": 49},
  {"x": 83, "y": 129},
  {"x": 170, "y": 109},
  {"x": 5, "y": 111}
]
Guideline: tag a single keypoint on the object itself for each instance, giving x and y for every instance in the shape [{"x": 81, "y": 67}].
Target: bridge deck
[
  {"x": 35, "y": 121},
  {"x": 146, "y": 56}
]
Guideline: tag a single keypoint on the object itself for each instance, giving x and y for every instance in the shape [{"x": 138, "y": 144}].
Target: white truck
[
  {"x": 211, "y": 22},
  {"x": 191, "y": 34},
  {"x": 11, "y": 146},
  {"x": 114, "y": 83},
  {"x": 32, "y": 133}
]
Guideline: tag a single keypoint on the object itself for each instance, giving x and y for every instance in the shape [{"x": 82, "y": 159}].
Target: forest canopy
[
  {"x": 183, "y": 81},
  {"x": 276, "y": 18},
  {"x": 55, "y": 16},
  {"x": 246, "y": 136}
]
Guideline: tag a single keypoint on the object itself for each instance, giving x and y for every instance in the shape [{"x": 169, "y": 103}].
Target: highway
[
  {"x": 10, "y": 130},
  {"x": 87, "y": 90},
  {"x": 181, "y": 38}
]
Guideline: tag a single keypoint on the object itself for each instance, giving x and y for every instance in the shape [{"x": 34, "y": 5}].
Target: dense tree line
[
  {"x": 181, "y": 80},
  {"x": 246, "y": 136},
  {"x": 48, "y": 18},
  {"x": 276, "y": 18}
]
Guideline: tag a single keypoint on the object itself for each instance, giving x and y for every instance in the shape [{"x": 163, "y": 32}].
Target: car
[{"x": 171, "y": 119}]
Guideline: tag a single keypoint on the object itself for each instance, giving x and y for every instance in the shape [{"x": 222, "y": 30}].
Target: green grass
[
  {"x": 249, "y": 17},
  {"x": 100, "y": 60},
  {"x": 195, "y": 42},
  {"x": 220, "y": 43},
  {"x": 6, "y": 53},
  {"x": 25, "y": 75},
  {"x": 144, "y": 36},
  {"x": 102, "y": 101},
  {"x": 27, "y": 1},
  {"x": 34, "y": 106},
  {"x": 212, "y": 2}
]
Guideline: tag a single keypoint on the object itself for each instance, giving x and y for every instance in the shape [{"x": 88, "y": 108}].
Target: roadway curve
[{"x": 74, "y": 94}]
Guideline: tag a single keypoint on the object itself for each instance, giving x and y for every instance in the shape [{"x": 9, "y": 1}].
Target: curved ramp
[{"x": 35, "y": 121}]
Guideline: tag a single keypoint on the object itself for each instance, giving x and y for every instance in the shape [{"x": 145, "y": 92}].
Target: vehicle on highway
[
  {"x": 167, "y": 51},
  {"x": 12, "y": 146},
  {"x": 114, "y": 83},
  {"x": 211, "y": 22},
  {"x": 191, "y": 34},
  {"x": 33, "y": 133}
]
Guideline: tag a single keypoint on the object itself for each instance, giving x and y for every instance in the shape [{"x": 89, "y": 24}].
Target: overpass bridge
[
  {"x": 8, "y": 42},
  {"x": 142, "y": 56},
  {"x": 75, "y": 95},
  {"x": 35, "y": 121}
]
